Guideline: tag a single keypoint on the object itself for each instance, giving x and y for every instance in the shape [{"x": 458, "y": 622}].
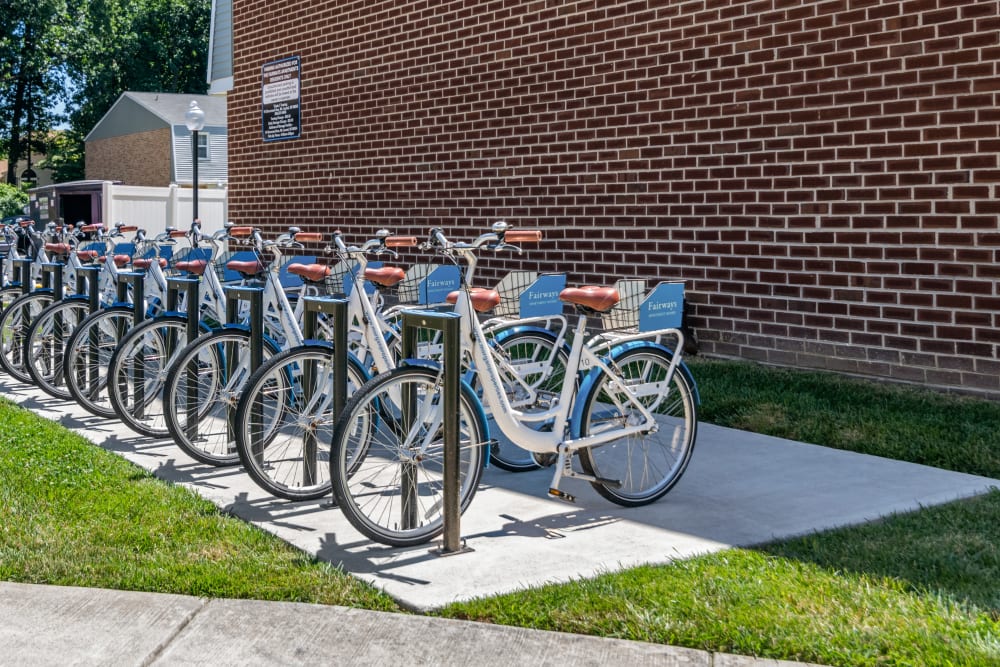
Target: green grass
[
  {"x": 945, "y": 431},
  {"x": 74, "y": 514},
  {"x": 921, "y": 588}
]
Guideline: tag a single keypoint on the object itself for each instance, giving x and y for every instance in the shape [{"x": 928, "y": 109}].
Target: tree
[
  {"x": 32, "y": 35},
  {"x": 121, "y": 45},
  {"x": 12, "y": 200}
]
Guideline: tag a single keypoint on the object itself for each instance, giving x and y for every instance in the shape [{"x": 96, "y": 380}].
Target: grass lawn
[{"x": 916, "y": 589}]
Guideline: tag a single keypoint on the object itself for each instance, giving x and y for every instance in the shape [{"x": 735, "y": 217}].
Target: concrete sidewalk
[
  {"x": 740, "y": 489},
  {"x": 50, "y": 625}
]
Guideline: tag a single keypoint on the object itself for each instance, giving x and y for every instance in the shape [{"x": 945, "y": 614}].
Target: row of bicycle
[{"x": 616, "y": 408}]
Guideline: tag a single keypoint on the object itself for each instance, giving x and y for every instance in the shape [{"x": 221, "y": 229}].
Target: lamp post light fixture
[{"x": 194, "y": 118}]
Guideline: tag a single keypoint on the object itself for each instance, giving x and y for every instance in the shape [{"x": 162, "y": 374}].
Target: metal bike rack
[
  {"x": 448, "y": 325},
  {"x": 135, "y": 280},
  {"x": 22, "y": 269},
  {"x": 88, "y": 282},
  {"x": 234, "y": 296},
  {"x": 336, "y": 309},
  {"x": 52, "y": 279},
  {"x": 189, "y": 286}
]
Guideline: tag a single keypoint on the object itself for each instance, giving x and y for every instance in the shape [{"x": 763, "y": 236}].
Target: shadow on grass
[{"x": 950, "y": 550}]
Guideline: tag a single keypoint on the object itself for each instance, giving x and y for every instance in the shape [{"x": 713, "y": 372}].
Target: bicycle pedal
[{"x": 562, "y": 495}]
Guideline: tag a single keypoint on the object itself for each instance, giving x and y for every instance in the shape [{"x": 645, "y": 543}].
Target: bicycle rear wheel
[
  {"x": 387, "y": 466},
  {"x": 533, "y": 356},
  {"x": 45, "y": 345},
  {"x": 285, "y": 422},
  {"x": 88, "y": 354},
  {"x": 137, "y": 373},
  {"x": 640, "y": 468}
]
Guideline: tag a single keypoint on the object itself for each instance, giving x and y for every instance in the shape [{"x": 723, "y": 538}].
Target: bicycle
[
  {"x": 89, "y": 347},
  {"x": 631, "y": 421},
  {"x": 284, "y": 417},
  {"x": 205, "y": 379},
  {"x": 19, "y": 315},
  {"x": 138, "y": 366}
]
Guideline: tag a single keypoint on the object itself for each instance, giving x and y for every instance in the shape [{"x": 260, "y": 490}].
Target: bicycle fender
[
  {"x": 591, "y": 377},
  {"x": 352, "y": 359}
]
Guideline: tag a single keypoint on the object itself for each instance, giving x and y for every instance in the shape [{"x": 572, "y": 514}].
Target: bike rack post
[
  {"x": 22, "y": 269},
  {"x": 88, "y": 282},
  {"x": 138, "y": 370},
  {"x": 52, "y": 278},
  {"x": 193, "y": 306},
  {"x": 189, "y": 287},
  {"x": 255, "y": 296},
  {"x": 448, "y": 325},
  {"x": 336, "y": 309},
  {"x": 89, "y": 276}
]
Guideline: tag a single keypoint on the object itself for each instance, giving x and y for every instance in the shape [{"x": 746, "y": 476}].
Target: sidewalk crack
[{"x": 154, "y": 656}]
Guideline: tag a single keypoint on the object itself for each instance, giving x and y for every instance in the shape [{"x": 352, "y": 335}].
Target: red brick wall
[
  {"x": 142, "y": 158},
  {"x": 823, "y": 174}
]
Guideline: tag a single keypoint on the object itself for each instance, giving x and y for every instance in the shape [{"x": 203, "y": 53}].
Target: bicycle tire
[
  {"x": 282, "y": 442},
  {"x": 214, "y": 395},
  {"x": 156, "y": 343},
  {"x": 7, "y": 296},
  {"x": 88, "y": 353},
  {"x": 14, "y": 324},
  {"x": 386, "y": 491},
  {"x": 529, "y": 352},
  {"x": 644, "y": 467},
  {"x": 45, "y": 345}
]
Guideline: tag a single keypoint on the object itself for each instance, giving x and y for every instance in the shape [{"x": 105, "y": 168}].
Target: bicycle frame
[{"x": 581, "y": 357}]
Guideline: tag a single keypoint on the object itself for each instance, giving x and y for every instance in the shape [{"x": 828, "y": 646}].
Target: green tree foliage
[
  {"x": 86, "y": 53},
  {"x": 32, "y": 42},
  {"x": 12, "y": 200},
  {"x": 133, "y": 45}
]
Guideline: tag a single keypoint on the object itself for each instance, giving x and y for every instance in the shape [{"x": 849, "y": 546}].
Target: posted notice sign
[{"x": 280, "y": 94}]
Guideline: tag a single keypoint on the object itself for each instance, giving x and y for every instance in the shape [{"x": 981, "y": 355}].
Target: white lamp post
[{"x": 194, "y": 118}]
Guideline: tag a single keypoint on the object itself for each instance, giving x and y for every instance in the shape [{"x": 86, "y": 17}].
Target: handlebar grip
[
  {"x": 27, "y": 223},
  {"x": 178, "y": 234},
  {"x": 127, "y": 228},
  {"x": 91, "y": 228},
  {"x": 522, "y": 236},
  {"x": 306, "y": 237},
  {"x": 240, "y": 231},
  {"x": 400, "y": 241}
]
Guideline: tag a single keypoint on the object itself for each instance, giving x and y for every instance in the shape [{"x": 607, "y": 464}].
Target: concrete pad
[
  {"x": 740, "y": 489},
  {"x": 56, "y": 625}
]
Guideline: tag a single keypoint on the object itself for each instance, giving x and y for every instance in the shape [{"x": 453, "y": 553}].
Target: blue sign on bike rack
[
  {"x": 541, "y": 298},
  {"x": 662, "y": 308},
  {"x": 438, "y": 284},
  {"x": 349, "y": 278},
  {"x": 289, "y": 280}
]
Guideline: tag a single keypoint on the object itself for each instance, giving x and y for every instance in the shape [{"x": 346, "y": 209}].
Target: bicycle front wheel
[
  {"x": 387, "y": 466},
  {"x": 285, "y": 422},
  {"x": 137, "y": 373},
  {"x": 202, "y": 389},
  {"x": 14, "y": 325},
  {"x": 641, "y": 468},
  {"x": 45, "y": 345},
  {"x": 88, "y": 354}
]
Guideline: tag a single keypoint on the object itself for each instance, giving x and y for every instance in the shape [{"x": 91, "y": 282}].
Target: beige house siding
[{"x": 142, "y": 158}]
